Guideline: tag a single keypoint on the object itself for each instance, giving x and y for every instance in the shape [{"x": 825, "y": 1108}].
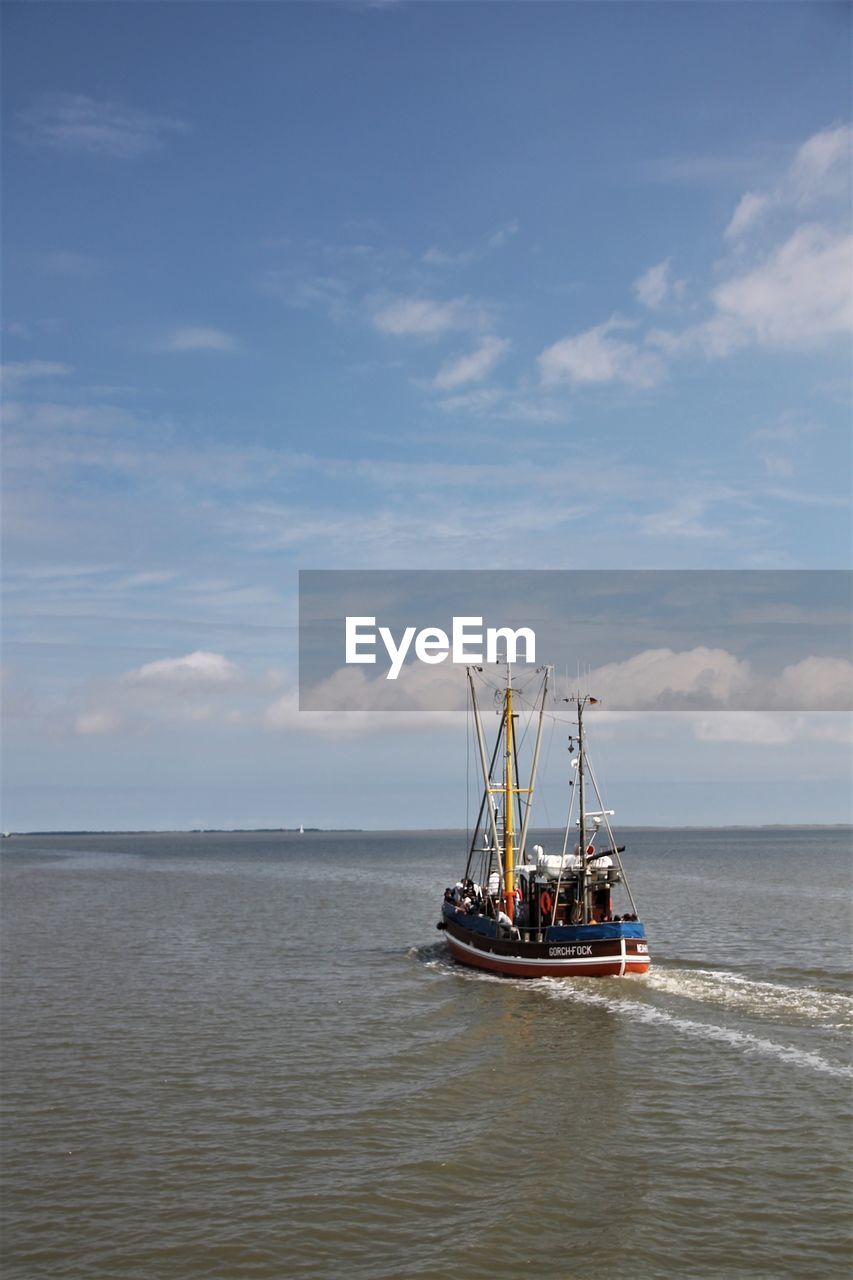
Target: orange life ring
[{"x": 546, "y": 902}]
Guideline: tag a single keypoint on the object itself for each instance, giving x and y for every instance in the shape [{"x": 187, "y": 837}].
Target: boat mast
[
  {"x": 582, "y": 880},
  {"x": 509, "y": 852},
  {"x": 484, "y": 763},
  {"x": 522, "y": 843}
]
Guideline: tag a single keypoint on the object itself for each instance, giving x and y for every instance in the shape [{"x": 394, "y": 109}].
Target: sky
[{"x": 405, "y": 286}]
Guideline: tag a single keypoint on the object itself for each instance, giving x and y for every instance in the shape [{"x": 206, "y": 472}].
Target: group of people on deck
[{"x": 468, "y": 896}]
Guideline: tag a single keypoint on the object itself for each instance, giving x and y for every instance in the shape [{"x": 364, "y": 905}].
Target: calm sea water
[{"x": 249, "y": 1056}]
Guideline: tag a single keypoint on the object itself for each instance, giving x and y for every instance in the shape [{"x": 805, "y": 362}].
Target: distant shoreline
[{"x": 329, "y": 831}]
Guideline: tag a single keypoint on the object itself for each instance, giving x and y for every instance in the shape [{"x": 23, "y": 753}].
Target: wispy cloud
[
  {"x": 16, "y": 373},
  {"x": 442, "y": 258},
  {"x": 473, "y": 367},
  {"x": 501, "y": 235},
  {"x": 819, "y": 171},
  {"x": 74, "y": 122},
  {"x": 685, "y": 519},
  {"x": 423, "y": 317},
  {"x": 310, "y": 292},
  {"x": 198, "y": 339},
  {"x": 65, "y": 262},
  {"x": 435, "y": 257},
  {"x": 654, "y": 286}
]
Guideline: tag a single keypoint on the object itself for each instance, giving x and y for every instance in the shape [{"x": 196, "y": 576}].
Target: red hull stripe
[{"x": 522, "y": 967}]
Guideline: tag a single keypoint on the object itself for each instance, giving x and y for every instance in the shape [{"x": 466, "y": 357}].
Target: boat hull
[{"x": 584, "y": 956}]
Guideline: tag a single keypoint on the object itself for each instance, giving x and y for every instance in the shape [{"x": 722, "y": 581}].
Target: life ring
[{"x": 546, "y": 902}]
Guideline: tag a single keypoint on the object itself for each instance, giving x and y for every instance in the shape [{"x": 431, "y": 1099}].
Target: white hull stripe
[{"x": 562, "y": 961}]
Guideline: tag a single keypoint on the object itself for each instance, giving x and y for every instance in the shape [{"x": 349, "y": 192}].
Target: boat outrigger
[{"x": 533, "y": 914}]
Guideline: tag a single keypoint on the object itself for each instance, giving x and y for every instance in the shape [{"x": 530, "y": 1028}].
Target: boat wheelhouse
[{"x": 529, "y": 913}]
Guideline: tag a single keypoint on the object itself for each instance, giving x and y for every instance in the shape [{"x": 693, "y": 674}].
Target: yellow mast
[{"x": 509, "y": 879}]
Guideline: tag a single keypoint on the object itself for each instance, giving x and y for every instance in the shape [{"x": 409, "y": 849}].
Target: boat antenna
[
  {"x": 583, "y": 882},
  {"x": 582, "y": 879},
  {"x": 509, "y": 778}
]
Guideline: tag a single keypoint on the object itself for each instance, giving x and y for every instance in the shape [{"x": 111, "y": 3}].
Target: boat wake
[
  {"x": 641, "y": 1012},
  {"x": 803, "y": 1006}
]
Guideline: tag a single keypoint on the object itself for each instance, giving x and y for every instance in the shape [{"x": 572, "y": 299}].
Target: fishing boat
[{"x": 528, "y": 913}]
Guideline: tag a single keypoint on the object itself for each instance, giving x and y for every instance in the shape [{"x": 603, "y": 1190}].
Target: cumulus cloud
[
  {"x": 797, "y": 296},
  {"x": 819, "y": 683},
  {"x": 665, "y": 679},
  {"x": 198, "y": 339},
  {"x": 74, "y": 122},
  {"x": 473, "y": 367},
  {"x": 800, "y": 294},
  {"x": 193, "y": 670},
  {"x": 595, "y": 356},
  {"x": 195, "y": 687}
]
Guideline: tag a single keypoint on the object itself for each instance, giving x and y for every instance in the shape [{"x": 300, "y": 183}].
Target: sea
[{"x": 249, "y": 1055}]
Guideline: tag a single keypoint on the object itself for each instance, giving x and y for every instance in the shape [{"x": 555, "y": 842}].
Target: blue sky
[{"x": 410, "y": 286}]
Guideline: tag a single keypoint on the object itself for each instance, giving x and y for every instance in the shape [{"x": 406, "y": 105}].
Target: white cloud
[
  {"x": 194, "y": 339},
  {"x": 655, "y": 285},
  {"x": 499, "y": 237},
  {"x": 662, "y": 678},
  {"x": 97, "y": 722},
  {"x": 821, "y": 166},
  {"x": 750, "y": 210},
  {"x": 821, "y": 684},
  {"x": 684, "y": 518},
  {"x": 419, "y": 317},
  {"x": 596, "y": 357},
  {"x": 473, "y": 367},
  {"x": 76, "y": 122},
  {"x": 192, "y": 671},
  {"x": 764, "y": 728},
  {"x": 435, "y": 257},
  {"x": 819, "y": 171},
  {"x": 14, "y": 374},
  {"x": 800, "y": 294}
]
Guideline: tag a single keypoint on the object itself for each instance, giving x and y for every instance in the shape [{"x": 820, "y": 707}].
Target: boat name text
[
  {"x": 570, "y": 951},
  {"x": 465, "y": 644}
]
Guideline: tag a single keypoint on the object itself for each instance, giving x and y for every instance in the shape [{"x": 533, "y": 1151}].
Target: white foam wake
[
  {"x": 804, "y": 1005},
  {"x": 638, "y": 1011},
  {"x": 579, "y": 991}
]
